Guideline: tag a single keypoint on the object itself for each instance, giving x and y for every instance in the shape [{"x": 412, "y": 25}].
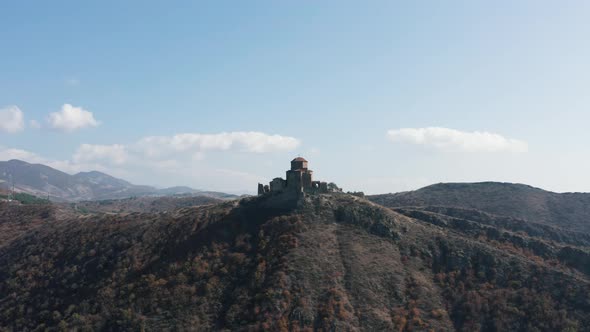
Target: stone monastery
[{"x": 299, "y": 179}]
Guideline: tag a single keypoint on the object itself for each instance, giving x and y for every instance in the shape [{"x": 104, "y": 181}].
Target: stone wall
[
  {"x": 278, "y": 184},
  {"x": 294, "y": 180}
]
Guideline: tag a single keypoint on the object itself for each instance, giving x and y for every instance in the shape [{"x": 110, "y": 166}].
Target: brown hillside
[{"x": 327, "y": 262}]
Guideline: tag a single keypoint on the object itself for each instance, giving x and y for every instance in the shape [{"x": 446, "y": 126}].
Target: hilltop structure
[{"x": 298, "y": 179}]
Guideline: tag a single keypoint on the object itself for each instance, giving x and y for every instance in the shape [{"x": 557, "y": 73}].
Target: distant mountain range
[
  {"x": 44, "y": 181},
  {"x": 567, "y": 210}
]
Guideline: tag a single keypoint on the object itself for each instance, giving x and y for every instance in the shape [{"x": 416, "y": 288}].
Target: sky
[{"x": 379, "y": 96}]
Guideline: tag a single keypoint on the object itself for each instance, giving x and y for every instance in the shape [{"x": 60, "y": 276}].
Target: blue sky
[{"x": 380, "y": 96}]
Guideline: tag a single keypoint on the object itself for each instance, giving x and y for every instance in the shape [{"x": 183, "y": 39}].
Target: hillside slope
[
  {"x": 142, "y": 204},
  {"x": 326, "y": 262},
  {"x": 568, "y": 210},
  {"x": 17, "y": 219}
]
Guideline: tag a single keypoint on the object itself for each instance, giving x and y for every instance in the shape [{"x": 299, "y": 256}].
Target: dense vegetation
[
  {"x": 142, "y": 204},
  {"x": 16, "y": 220},
  {"x": 327, "y": 262}
]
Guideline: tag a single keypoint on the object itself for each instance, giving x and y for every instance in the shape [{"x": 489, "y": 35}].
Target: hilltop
[
  {"x": 323, "y": 261},
  {"x": 567, "y": 210}
]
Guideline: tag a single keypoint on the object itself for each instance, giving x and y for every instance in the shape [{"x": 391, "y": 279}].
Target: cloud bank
[
  {"x": 9, "y": 153},
  {"x": 71, "y": 118},
  {"x": 11, "y": 119},
  {"x": 167, "y": 150},
  {"x": 455, "y": 140},
  {"x": 251, "y": 141},
  {"x": 114, "y": 154}
]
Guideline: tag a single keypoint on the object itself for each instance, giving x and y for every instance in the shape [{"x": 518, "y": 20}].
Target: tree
[{"x": 333, "y": 187}]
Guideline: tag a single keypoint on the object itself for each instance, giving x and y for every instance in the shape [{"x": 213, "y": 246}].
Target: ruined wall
[{"x": 278, "y": 184}]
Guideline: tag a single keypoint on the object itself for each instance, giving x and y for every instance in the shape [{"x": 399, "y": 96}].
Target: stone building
[{"x": 298, "y": 179}]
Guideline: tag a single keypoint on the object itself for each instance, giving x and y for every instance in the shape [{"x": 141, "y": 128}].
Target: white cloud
[
  {"x": 71, "y": 118},
  {"x": 114, "y": 154},
  {"x": 455, "y": 140},
  {"x": 156, "y": 146},
  {"x": 10, "y": 153},
  {"x": 11, "y": 119}
]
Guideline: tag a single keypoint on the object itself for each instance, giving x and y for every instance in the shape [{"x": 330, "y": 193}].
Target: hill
[
  {"x": 568, "y": 210},
  {"x": 104, "y": 186},
  {"x": 323, "y": 262},
  {"x": 44, "y": 181},
  {"x": 26, "y": 212},
  {"x": 142, "y": 204}
]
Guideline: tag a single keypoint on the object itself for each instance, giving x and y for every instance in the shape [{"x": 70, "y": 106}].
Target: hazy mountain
[
  {"x": 104, "y": 186},
  {"x": 569, "y": 210},
  {"x": 39, "y": 179},
  {"x": 178, "y": 190},
  {"x": 330, "y": 262},
  {"x": 103, "y": 180},
  {"x": 44, "y": 181},
  {"x": 187, "y": 191}
]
